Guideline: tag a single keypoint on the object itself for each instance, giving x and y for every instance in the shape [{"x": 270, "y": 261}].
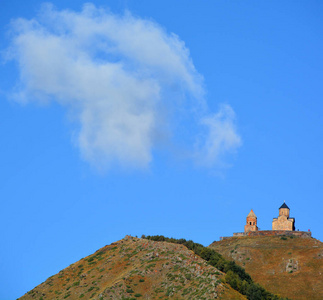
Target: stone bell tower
[{"x": 251, "y": 222}]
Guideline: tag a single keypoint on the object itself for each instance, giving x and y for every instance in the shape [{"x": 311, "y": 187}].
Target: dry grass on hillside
[
  {"x": 287, "y": 266},
  {"x": 134, "y": 268}
]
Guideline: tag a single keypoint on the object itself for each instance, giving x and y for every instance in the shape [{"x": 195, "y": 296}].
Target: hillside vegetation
[
  {"x": 236, "y": 276},
  {"x": 288, "y": 266},
  {"x": 134, "y": 268}
]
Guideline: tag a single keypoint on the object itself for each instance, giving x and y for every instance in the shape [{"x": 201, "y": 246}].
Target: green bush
[{"x": 188, "y": 276}]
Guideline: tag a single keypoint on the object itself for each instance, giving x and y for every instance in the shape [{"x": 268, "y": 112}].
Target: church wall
[
  {"x": 303, "y": 234},
  {"x": 282, "y": 223},
  {"x": 250, "y": 228}
]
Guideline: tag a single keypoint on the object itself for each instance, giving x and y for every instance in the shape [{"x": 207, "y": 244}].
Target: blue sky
[{"x": 153, "y": 117}]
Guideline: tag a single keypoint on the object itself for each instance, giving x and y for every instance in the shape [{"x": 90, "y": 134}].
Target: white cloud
[
  {"x": 116, "y": 74},
  {"x": 221, "y": 136}
]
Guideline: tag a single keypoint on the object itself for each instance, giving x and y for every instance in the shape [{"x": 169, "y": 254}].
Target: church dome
[{"x": 284, "y": 206}]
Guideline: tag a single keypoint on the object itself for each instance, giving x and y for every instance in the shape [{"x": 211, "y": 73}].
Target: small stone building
[
  {"x": 251, "y": 222},
  {"x": 284, "y": 222}
]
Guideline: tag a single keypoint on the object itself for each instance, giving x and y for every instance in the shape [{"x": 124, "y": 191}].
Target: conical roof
[
  {"x": 251, "y": 214},
  {"x": 284, "y": 206}
]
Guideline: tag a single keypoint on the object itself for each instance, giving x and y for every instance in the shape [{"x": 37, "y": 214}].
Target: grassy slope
[
  {"x": 291, "y": 267},
  {"x": 135, "y": 268}
]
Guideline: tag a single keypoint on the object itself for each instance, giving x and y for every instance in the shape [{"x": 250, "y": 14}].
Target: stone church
[
  {"x": 282, "y": 225},
  {"x": 284, "y": 222}
]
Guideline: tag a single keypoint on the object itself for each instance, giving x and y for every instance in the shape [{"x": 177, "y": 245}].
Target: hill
[
  {"x": 288, "y": 266},
  {"x": 134, "y": 268}
]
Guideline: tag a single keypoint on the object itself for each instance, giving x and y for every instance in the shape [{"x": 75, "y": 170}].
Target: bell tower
[{"x": 251, "y": 222}]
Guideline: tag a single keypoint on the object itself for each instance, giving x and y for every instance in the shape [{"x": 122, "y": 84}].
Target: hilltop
[
  {"x": 289, "y": 266},
  {"x": 134, "y": 268}
]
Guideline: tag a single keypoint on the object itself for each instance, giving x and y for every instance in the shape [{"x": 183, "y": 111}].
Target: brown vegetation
[
  {"x": 288, "y": 266},
  {"x": 134, "y": 268}
]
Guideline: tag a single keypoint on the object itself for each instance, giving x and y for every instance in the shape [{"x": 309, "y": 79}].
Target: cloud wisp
[{"x": 120, "y": 76}]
